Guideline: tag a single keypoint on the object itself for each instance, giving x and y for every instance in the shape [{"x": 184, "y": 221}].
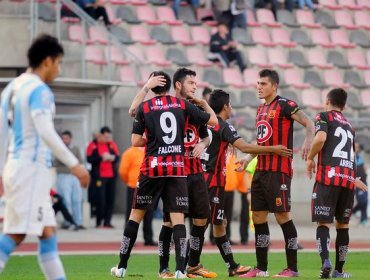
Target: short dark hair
[
  {"x": 218, "y": 99},
  {"x": 206, "y": 91},
  {"x": 166, "y": 87},
  {"x": 105, "y": 129},
  {"x": 271, "y": 74},
  {"x": 337, "y": 97},
  {"x": 180, "y": 75},
  {"x": 67, "y": 132},
  {"x": 41, "y": 48}
]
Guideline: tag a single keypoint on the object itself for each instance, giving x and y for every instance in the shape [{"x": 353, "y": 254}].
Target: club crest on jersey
[
  {"x": 272, "y": 114},
  {"x": 264, "y": 131},
  {"x": 191, "y": 136}
]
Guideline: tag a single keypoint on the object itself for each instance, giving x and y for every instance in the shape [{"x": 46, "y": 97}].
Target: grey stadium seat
[
  {"x": 338, "y": 59},
  {"x": 249, "y": 98},
  {"x": 46, "y": 13},
  {"x": 287, "y": 18},
  {"x": 291, "y": 95},
  {"x": 177, "y": 56},
  {"x": 325, "y": 19},
  {"x": 301, "y": 38},
  {"x": 235, "y": 102},
  {"x": 214, "y": 77},
  {"x": 187, "y": 15},
  {"x": 360, "y": 38},
  {"x": 161, "y": 35},
  {"x": 354, "y": 102},
  {"x": 247, "y": 121},
  {"x": 313, "y": 78},
  {"x": 243, "y": 37},
  {"x": 122, "y": 34},
  {"x": 297, "y": 58},
  {"x": 128, "y": 15},
  {"x": 364, "y": 140},
  {"x": 354, "y": 79}
]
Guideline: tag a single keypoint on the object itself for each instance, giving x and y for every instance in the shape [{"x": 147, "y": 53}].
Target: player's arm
[
  {"x": 245, "y": 147},
  {"x": 212, "y": 121},
  {"x": 138, "y": 129},
  {"x": 200, "y": 147},
  {"x": 137, "y": 140},
  {"x": 243, "y": 162},
  {"x": 3, "y": 147},
  {"x": 360, "y": 185},
  {"x": 305, "y": 121},
  {"x": 152, "y": 82},
  {"x": 317, "y": 144}
]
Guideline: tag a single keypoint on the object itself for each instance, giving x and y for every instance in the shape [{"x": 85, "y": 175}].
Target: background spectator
[
  {"x": 194, "y": 4},
  {"x": 206, "y": 93},
  {"x": 58, "y": 205},
  {"x": 95, "y": 9},
  {"x": 271, "y": 4},
  {"x": 361, "y": 196},
  {"x": 230, "y": 12}
]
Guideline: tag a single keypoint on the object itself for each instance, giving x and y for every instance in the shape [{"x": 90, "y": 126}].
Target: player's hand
[
  {"x": 306, "y": 148},
  {"x": 82, "y": 175},
  {"x": 241, "y": 164},
  {"x": 360, "y": 185},
  {"x": 1, "y": 186},
  {"x": 198, "y": 149},
  {"x": 310, "y": 167},
  {"x": 132, "y": 112},
  {"x": 155, "y": 81},
  {"x": 282, "y": 151},
  {"x": 195, "y": 100}
]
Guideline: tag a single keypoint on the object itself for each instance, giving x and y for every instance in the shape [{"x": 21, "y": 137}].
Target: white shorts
[{"x": 28, "y": 206}]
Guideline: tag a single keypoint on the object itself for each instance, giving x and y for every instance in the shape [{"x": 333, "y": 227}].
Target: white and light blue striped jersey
[{"x": 23, "y": 99}]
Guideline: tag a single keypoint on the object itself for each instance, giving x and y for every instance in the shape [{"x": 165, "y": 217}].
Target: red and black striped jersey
[
  {"x": 274, "y": 126},
  {"x": 163, "y": 119},
  {"x": 215, "y": 156},
  {"x": 336, "y": 164},
  {"x": 193, "y": 133}
]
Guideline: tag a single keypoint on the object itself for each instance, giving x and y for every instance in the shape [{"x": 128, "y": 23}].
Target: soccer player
[
  {"x": 26, "y": 123},
  {"x": 221, "y": 136},
  {"x": 163, "y": 120},
  {"x": 270, "y": 190},
  {"x": 334, "y": 189}
]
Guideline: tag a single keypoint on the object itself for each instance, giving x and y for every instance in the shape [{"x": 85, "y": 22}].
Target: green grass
[{"x": 145, "y": 266}]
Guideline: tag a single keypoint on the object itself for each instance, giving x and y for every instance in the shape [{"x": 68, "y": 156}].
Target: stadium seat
[
  {"x": 127, "y": 74},
  {"x": 344, "y": 19},
  {"x": 158, "y": 2},
  {"x": 76, "y": 34},
  {"x": 266, "y": 17},
  {"x": 161, "y": 35},
  {"x": 233, "y": 77},
  {"x": 294, "y": 78},
  {"x": 313, "y": 78},
  {"x": 146, "y": 14},
  {"x": 356, "y": 58},
  {"x": 178, "y": 57},
  {"x": 317, "y": 58},
  {"x": 127, "y": 14},
  {"x": 298, "y": 140},
  {"x": 197, "y": 57},
  {"x": 112, "y": 17},
  {"x": 360, "y": 38},
  {"x": 364, "y": 4},
  {"x": 287, "y": 18},
  {"x": 298, "y": 58},
  {"x": 115, "y": 55},
  {"x": 181, "y": 35},
  {"x": 354, "y": 102},
  {"x": 291, "y": 95},
  {"x": 245, "y": 120},
  {"x": 214, "y": 77},
  {"x": 206, "y": 16},
  {"x": 186, "y": 14},
  {"x": 166, "y": 14},
  {"x": 200, "y": 35},
  {"x": 251, "y": 20},
  {"x": 136, "y": 53},
  {"x": 325, "y": 19},
  {"x": 122, "y": 35},
  {"x": 234, "y": 100},
  {"x": 312, "y": 98},
  {"x": 249, "y": 98},
  {"x": 250, "y": 76},
  {"x": 367, "y": 77},
  {"x": 364, "y": 140},
  {"x": 262, "y": 36},
  {"x": 320, "y": 37},
  {"x": 46, "y": 13},
  {"x": 306, "y": 18},
  {"x": 362, "y": 19},
  {"x": 281, "y": 37},
  {"x": 98, "y": 35},
  {"x": 242, "y": 37},
  {"x": 277, "y": 57},
  {"x": 155, "y": 55},
  {"x": 330, "y": 4},
  {"x": 340, "y": 37},
  {"x": 95, "y": 55},
  {"x": 140, "y": 34},
  {"x": 338, "y": 59},
  {"x": 138, "y": 2},
  {"x": 334, "y": 78},
  {"x": 354, "y": 79},
  {"x": 349, "y": 4},
  {"x": 365, "y": 97},
  {"x": 282, "y": 82},
  {"x": 301, "y": 38},
  {"x": 257, "y": 56}
]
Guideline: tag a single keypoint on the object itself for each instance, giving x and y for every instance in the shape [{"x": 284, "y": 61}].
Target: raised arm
[{"x": 305, "y": 121}]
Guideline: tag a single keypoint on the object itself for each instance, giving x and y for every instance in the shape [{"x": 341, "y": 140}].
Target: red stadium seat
[
  {"x": 344, "y": 19},
  {"x": 317, "y": 58},
  {"x": 204, "y": 13},
  {"x": 98, "y": 35},
  {"x": 116, "y": 56},
  {"x": 281, "y": 37},
  {"x": 367, "y": 77},
  {"x": 334, "y": 78},
  {"x": 112, "y": 16},
  {"x": 356, "y": 58},
  {"x": 200, "y": 35},
  {"x": 156, "y": 56},
  {"x": 258, "y": 57},
  {"x": 181, "y": 35},
  {"x": 146, "y": 14},
  {"x": 95, "y": 55},
  {"x": 368, "y": 57},
  {"x": 167, "y": 15},
  {"x": 330, "y": 4},
  {"x": 364, "y": 4},
  {"x": 312, "y": 99},
  {"x": 362, "y": 19},
  {"x": 294, "y": 78},
  {"x": 365, "y": 97},
  {"x": 306, "y": 19},
  {"x": 340, "y": 37},
  {"x": 196, "y": 56},
  {"x": 265, "y": 16},
  {"x": 320, "y": 37},
  {"x": 233, "y": 77},
  {"x": 251, "y": 20},
  {"x": 140, "y": 34},
  {"x": 127, "y": 74},
  {"x": 76, "y": 34},
  {"x": 277, "y": 57},
  {"x": 349, "y": 4},
  {"x": 262, "y": 36},
  {"x": 250, "y": 77},
  {"x": 137, "y": 53}
]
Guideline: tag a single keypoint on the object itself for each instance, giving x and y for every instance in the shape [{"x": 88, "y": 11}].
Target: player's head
[
  {"x": 106, "y": 134},
  {"x": 206, "y": 93},
  {"x": 219, "y": 101},
  {"x": 66, "y": 137},
  {"x": 267, "y": 83},
  {"x": 45, "y": 54},
  {"x": 336, "y": 97},
  {"x": 184, "y": 82},
  {"x": 159, "y": 90}
]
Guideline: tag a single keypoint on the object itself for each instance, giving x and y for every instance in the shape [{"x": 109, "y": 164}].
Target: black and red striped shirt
[
  {"x": 193, "y": 133},
  {"x": 163, "y": 119},
  {"x": 215, "y": 156},
  {"x": 336, "y": 164},
  {"x": 274, "y": 126}
]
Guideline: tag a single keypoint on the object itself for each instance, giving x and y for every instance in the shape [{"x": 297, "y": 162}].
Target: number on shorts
[
  {"x": 344, "y": 135},
  {"x": 169, "y": 128},
  {"x": 40, "y": 214},
  {"x": 220, "y": 214}
]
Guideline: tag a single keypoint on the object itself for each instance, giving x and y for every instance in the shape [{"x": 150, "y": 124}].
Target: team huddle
[{"x": 186, "y": 140}]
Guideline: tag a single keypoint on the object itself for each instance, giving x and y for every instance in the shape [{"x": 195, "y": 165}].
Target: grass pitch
[{"x": 146, "y": 266}]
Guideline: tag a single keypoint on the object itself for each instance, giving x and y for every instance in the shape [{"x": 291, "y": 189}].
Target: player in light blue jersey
[{"x": 27, "y": 139}]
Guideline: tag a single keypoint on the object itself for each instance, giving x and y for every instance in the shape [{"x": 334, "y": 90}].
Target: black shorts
[
  {"x": 198, "y": 198},
  {"x": 270, "y": 191},
  {"x": 216, "y": 201},
  {"x": 331, "y": 201},
  {"x": 172, "y": 190}
]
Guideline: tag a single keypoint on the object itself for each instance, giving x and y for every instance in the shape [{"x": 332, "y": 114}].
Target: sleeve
[
  {"x": 92, "y": 154},
  {"x": 41, "y": 101},
  {"x": 197, "y": 116},
  {"x": 45, "y": 128},
  {"x": 203, "y": 131},
  {"x": 138, "y": 126},
  {"x": 3, "y": 139},
  {"x": 290, "y": 108},
  {"x": 321, "y": 123},
  {"x": 229, "y": 134}
]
